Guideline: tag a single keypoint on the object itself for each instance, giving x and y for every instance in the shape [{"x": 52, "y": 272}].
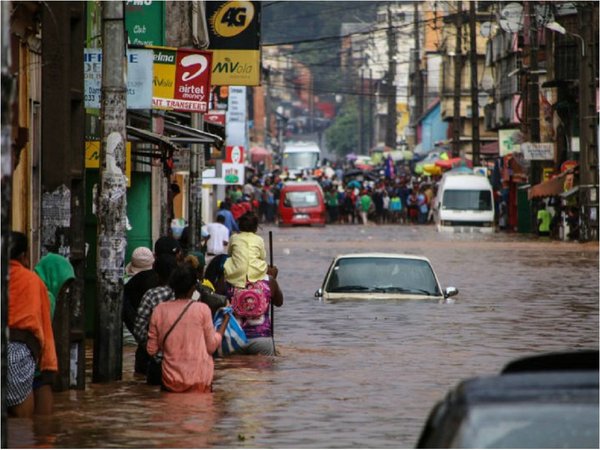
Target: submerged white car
[{"x": 364, "y": 276}]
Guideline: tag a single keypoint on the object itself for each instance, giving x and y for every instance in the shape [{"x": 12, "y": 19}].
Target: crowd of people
[
  {"x": 349, "y": 200},
  {"x": 177, "y": 293},
  {"x": 171, "y": 299}
]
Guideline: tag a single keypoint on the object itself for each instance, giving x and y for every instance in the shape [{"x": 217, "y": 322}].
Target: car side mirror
[
  {"x": 450, "y": 292},
  {"x": 319, "y": 292}
]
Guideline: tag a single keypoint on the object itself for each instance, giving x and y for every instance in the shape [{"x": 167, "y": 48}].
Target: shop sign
[
  {"x": 235, "y": 128},
  {"x": 234, "y": 154},
  {"x": 181, "y": 79},
  {"x": 92, "y": 158},
  {"x": 232, "y": 173},
  {"x": 139, "y": 78},
  {"x": 509, "y": 141},
  {"x": 537, "y": 151},
  {"x": 215, "y": 117},
  {"x": 145, "y": 22},
  {"x": 234, "y": 35}
]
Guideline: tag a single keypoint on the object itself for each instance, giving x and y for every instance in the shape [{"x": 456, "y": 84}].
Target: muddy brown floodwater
[{"x": 352, "y": 374}]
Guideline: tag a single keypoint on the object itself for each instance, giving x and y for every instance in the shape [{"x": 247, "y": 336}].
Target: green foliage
[{"x": 342, "y": 135}]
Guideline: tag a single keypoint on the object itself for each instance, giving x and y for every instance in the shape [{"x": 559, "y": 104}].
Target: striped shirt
[{"x": 151, "y": 298}]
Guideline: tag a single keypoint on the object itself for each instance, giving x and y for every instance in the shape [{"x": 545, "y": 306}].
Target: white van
[
  {"x": 464, "y": 203},
  {"x": 300, "y": 157}
]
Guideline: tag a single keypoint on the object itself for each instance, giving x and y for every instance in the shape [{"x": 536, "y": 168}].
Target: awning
[
  {"x": 490, "y": 149},
  {"x": 137, "y": 134},
  {"x": 550, "y": 188},
  {"x": 180, "y": 133}
]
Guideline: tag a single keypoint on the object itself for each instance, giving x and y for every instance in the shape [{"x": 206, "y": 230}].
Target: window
[
  {"x": 301, "y": 199},
  {"x": 467, "y": 200}
]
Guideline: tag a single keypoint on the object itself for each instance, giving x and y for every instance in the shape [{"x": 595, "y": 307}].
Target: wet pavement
[{"x": 352, "y": 374}]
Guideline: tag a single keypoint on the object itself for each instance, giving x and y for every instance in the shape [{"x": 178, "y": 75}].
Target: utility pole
[
  {"x": 361, "y": 113},
  {"x": 267, "y": 84},
  {"x": 371, "y": 141},
  {"x": 458, "y": 63},
  {"x": 195, "y": 192},
  {"x": 588, "y": 125},
  {"x": 474, "y": 84},
  {"x": 418, "y": 110},
  {"x": 533, "y": 95},
  {"x": 7, "y": 99},
  {"x": 390, "y": 129},
  {"x": 112, "y": 200}
]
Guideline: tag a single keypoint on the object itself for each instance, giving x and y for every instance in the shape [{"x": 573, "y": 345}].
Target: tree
[{"x": 342, "y": 135}]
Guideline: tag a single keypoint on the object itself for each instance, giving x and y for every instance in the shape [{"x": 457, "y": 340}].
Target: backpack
[{"x": 250, "y": 302}]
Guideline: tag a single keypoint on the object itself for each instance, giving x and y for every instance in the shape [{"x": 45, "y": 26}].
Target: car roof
[
  {"x": 301, "y": 183},
  {"x": 543, "y": 387},
  {"x": 382, "y": 255},
  {"x": 576, "y": 360}
]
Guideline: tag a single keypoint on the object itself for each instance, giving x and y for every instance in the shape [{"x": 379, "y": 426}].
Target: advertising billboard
[
  {"x": 182, "y": 79},
  {"x": 234, "y": 34}
]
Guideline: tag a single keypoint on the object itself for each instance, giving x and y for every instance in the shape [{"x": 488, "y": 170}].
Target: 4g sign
[
  {"x": 234, "y": 35},
  {"x": 232, "y": 18}
]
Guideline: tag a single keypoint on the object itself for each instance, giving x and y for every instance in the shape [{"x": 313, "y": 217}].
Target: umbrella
[
  {"x": 258, "y": 154},
  {"x": 453, "y": 162}
]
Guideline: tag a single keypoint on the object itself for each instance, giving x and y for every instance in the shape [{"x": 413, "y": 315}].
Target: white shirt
[{"x": 219, "y": 233}]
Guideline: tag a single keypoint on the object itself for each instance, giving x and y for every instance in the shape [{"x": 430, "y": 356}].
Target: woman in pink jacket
[{"x": 182, "y": 331}]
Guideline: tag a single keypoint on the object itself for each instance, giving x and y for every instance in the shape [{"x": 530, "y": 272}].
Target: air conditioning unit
[{"x": 489, "y": 116}]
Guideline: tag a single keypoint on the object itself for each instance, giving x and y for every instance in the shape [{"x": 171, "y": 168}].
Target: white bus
[{"x": 300, "y": 157}]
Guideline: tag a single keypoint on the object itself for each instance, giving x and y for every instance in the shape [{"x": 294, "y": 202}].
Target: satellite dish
[
  {"x": 485, "y": 29},
  {"x": 511, "y": 17}
]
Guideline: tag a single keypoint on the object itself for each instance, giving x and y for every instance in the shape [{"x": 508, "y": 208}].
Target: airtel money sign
[{"x": 181, "y": 79}]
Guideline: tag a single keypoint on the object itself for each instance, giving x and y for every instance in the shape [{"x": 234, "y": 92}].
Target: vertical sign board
[
  {"x": 145, "y": 22},
  {"x": 235, "y": 128},
  {"x": 182, "y": 79},
  {"x": 139, "y": 78},
  {"x": 234, "y": 34}
]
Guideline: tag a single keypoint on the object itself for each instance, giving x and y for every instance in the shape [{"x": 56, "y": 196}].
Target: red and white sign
[
  {"x": 181, "y": 79},
  {"x": 234, "y": 154},
  {"x": 215, "y": 117}
]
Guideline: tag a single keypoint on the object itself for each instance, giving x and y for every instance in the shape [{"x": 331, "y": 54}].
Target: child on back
[{"x": 247, "y": 255}]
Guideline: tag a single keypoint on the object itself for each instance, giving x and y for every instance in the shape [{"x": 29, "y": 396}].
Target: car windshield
[
  {"x": 385, "y": 275},
  {"x": 298, "y": 199},
  {"x": 523, "y": 425},
  {"x": 466, "y": 199},
  {"x": 300, "y": 160}
]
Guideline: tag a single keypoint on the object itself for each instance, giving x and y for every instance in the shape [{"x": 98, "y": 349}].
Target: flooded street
[{"x": 352, "y": 374}]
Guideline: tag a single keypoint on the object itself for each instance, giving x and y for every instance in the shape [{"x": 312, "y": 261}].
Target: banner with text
[
  {"x": 234, "y": 35},
  {"x": 182, "y": 79},
  {"x": 139, "y": 78}
]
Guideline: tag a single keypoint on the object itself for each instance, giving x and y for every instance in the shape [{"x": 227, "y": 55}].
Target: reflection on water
[{"x": 352, "y": 374}]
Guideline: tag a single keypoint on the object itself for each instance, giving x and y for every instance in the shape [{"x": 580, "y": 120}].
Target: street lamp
[{"x": 555, "y": 26}]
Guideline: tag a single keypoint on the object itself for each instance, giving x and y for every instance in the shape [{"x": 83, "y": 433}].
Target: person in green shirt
[
  {"x": 364, "y": 206},
  {"x": 331, "y": 200},
  {"x": 58, "y": 274},
  {"x": 544, "y": 218}
]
